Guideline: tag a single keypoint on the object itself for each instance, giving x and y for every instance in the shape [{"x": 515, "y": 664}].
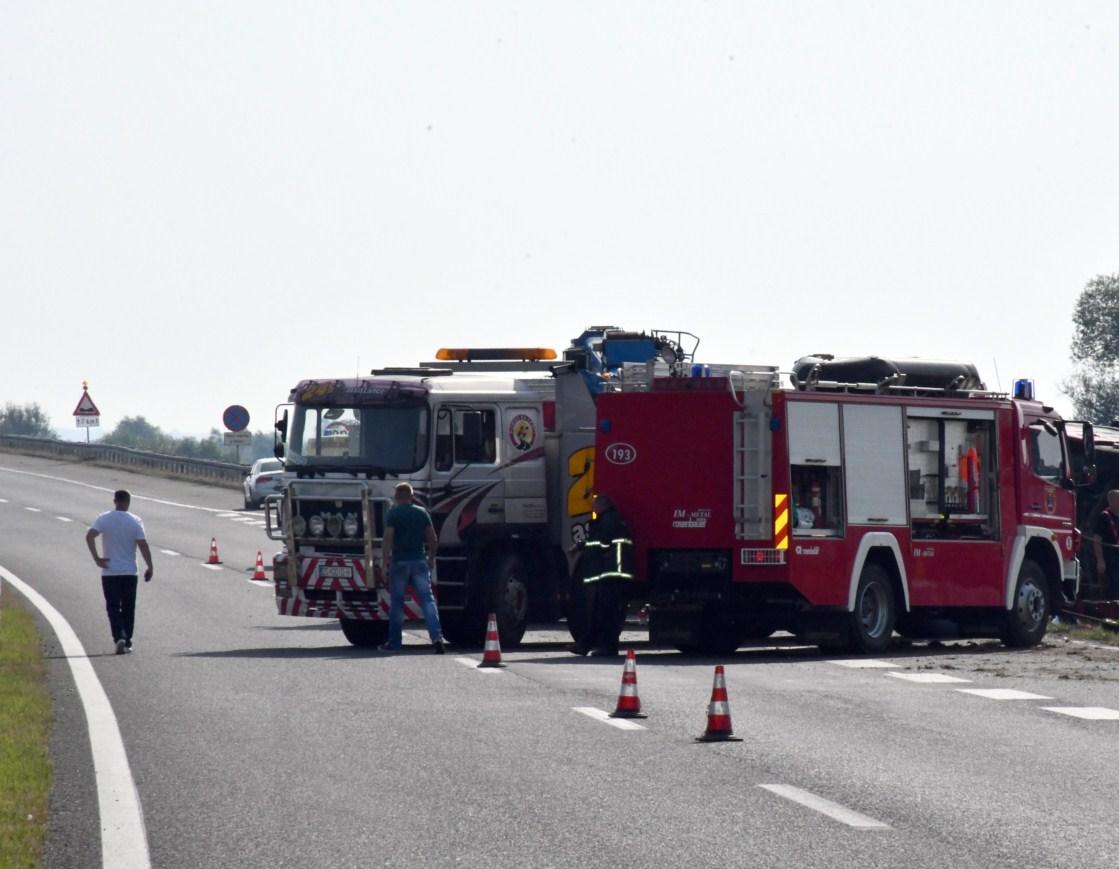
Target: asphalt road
[{"x": 256, "y": 740}]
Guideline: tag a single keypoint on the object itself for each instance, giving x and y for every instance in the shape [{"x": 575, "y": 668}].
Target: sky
[{"x": 203, "y": 203}]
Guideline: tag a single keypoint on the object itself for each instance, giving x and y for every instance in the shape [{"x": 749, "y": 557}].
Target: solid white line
[
  {"x": 63, "y": 518},
  {"x": 473, "y": 664},
  {"x": 826, "y": 807},
  {"x": 864, "y": 664},
  {"x": 32, "y": 509},
  {"x": 1090, "y": 713},
  {"x": 135, "y": 497},
  {"x": 928, "y": 678},
  {"x": 170, "y": 552},
  {"x": 599, "y": 715},
  {"x": 124, "y": 841},
  {"x": 1003, "y": 694}
]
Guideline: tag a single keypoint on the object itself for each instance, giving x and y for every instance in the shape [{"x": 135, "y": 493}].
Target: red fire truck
[{"x": 871, "y": 496}]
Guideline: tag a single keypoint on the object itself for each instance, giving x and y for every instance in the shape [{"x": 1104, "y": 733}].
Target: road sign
[
  {"x": 86, "y": 407},
  {"x": 237, "y": 438},
  {"x": 87, "y": 421},
  {"x": 236, "y": 418}
]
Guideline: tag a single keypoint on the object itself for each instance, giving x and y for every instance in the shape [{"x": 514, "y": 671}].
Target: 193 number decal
[{"x": 620, "y": 454}]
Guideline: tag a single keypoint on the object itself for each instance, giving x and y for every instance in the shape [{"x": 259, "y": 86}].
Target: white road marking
[
  {"x": 259, "y": 583},
  {"x": 63, "y": 518},
  {"x": 826, "y": 807},
  {"x": 3, "y": 500},
  {"x": 135, "y": 497},
  {"x": 928, "y": 678},
  {"x": 225, "y": 514},
  {"x": 865, "y": 664},
  {"x": 170, "y": 552},
  {"x": 473, "y": 664},
  {"x": 599, "y": 715},
  {"x": 124, "y": 841},
  {"x": 1003, "y": 694},
  {"x": 1091, "y": 713},
  {"x": 32, "y": 509},
  {"x": 211, "y": 566}
]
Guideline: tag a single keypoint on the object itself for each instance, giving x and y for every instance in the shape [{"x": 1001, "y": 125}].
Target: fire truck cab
[{"x": 871, "y": 496}]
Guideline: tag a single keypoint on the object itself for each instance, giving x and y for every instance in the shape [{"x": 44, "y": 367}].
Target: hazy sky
[{"x": 202, "y": 203}]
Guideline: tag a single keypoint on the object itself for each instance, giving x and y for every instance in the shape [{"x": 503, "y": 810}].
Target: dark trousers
[
  {"x": 606, "y": 602},
  {"x": 120, "y": 603},
  {"x": 1111, "y": 569}
]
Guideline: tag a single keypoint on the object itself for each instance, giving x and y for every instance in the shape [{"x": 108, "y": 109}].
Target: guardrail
[{"x": 140, "y": 461}]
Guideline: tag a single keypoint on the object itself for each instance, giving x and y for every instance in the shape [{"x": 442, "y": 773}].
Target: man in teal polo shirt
[{"x": 408, "y": 530}]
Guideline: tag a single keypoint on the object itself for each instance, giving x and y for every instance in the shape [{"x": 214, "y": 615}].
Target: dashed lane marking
[
  {"x": 865, "y": 664},
  {"x": 1090, "y": 713},
  {"x": 124, "y": 841},
  {"x": 32, "y": 509},
  {"x": 599, "y": 715},
  {"x": 170, "y": 552},
  {"x": 473, "y": 664},
  {"x": 1003, "y": 694},
  {"x": 211, "y": 566},
  {"x": 826, "y": 807},
  {"x": 63, "y": 518},
  {"x": 929, "y": 678},
  {"x": 3, "y": 500}
]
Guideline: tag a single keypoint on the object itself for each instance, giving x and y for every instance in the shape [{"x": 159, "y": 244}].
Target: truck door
[
  {"x": 465, "y": 488},
  {"x": 1044, "y": 499}
]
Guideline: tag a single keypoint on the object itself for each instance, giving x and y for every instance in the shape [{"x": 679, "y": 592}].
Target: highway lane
[{"x": 262, "y": 741}]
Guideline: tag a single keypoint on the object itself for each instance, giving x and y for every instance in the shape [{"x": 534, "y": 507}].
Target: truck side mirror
[
  {"x": 280, "y": 436},
  {"x": 473, "y": 443},
  {"x": 1087, "y": 474}
]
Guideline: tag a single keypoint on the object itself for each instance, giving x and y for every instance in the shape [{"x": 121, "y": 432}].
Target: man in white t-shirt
[{"x": 124, "y": 534}]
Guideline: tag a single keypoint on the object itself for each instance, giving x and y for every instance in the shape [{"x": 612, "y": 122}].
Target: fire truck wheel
[
  {"x": 507, "y": 593},
  {"x": 1029, "y": 616},
  {"x": 364, "y": 634},
  {"x": 872, "y": 622}
]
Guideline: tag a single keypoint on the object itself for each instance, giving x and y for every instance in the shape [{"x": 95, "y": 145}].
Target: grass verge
[
  {"x": 1085, "y": 632},
  {"x": 25, "y": 718}
]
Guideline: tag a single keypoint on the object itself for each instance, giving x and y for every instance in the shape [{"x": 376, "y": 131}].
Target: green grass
[
  {"x": 25, "y": 719},
  {"x": 1087, "y": 632}
]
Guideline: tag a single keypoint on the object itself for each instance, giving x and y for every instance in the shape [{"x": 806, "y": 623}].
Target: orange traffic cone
[
  {"x": 491, "y": 656},
  {"x": 258, "y": 571},
  {"x": 213, "y": 559},
  {"x": 718, "y": 713},
  {"x": 629, "y": 704}
]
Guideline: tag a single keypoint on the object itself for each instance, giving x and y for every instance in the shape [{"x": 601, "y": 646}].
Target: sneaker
[
  {"x": 121, "y": 647},
  {"x": 440, "y": 646},
  {"x": 128, "y": 648},
  {"x": 602, "y": 652}
]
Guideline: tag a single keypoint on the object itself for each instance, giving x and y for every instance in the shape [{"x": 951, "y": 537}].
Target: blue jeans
[{"x": 418, "y": 574}]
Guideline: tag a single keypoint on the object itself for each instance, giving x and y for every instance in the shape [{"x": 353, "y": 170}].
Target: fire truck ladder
[{"x": 753, "y": 511}]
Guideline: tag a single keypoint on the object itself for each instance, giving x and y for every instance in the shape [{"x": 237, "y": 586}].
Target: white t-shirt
[{"x": 121, "y": 530}]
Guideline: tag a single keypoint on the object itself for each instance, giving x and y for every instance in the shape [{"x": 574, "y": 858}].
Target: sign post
[
  {"x": 86, "y": 414},
  {"x": 236, "y": 419}
]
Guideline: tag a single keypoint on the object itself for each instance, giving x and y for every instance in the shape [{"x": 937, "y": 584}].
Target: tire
[
  {"x": 363, "y": 634},
  {"x": 871, "y": 625},
  {"x": 248, "y": 503},
  {"x": 1028, "y": 618},
  {"x": 506, "y": 591}
]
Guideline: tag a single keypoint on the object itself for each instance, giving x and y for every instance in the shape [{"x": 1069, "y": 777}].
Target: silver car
[{"x": 265, "y": 478}]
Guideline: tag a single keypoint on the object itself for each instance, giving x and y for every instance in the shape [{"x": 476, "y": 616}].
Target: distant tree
[
  {"x": 1094, "y": 386},
  {"x": 28, "y": 419},
  {"x": 139, "y": 434}
]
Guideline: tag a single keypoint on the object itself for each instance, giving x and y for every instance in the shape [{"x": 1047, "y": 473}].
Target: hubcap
[
  {"x": 516, "y": 599},
  {"x": 1031, "y": 605},
  {"x": 872, "y": 610}
]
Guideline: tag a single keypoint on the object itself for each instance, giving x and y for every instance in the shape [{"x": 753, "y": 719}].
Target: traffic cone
[
  {"x": 258, "y": 571},
  {"x": 213, "y": 559},
  {"x": 491, "y": 656},
  {"x": 629, "y": 704},
  {"x": 718, "y": 713}
]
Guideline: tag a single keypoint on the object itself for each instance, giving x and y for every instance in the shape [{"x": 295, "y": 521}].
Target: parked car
[{"x": 265, "y": 478}]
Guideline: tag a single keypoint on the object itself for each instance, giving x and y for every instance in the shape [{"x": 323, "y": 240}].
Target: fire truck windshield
[{"x": 391, "y": 439}]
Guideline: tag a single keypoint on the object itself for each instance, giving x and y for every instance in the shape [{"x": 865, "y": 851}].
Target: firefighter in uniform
[{"x": 606, "y": 567}]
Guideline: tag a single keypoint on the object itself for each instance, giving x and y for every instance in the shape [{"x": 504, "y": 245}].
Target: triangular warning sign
[{"x": 86, "y": 407}]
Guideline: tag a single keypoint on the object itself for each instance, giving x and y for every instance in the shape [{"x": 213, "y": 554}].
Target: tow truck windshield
[{"x": 378, "y": 439}]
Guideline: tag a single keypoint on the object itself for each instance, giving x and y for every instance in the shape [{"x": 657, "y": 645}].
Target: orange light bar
[{"x": 491, "y": 354}]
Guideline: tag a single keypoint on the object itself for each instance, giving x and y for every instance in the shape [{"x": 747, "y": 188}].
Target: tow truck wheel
[
  {"x": 363, "y": 634},
  {"x": 872, "y": 623},
  {"x": 1028, "y": 617},
  {"x": 507, "y": 593}
]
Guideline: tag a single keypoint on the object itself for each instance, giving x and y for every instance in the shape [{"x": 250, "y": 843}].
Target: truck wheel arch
[
  {"x": 880, "y": 540},
  {"x": 1037, "y": 543}
]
